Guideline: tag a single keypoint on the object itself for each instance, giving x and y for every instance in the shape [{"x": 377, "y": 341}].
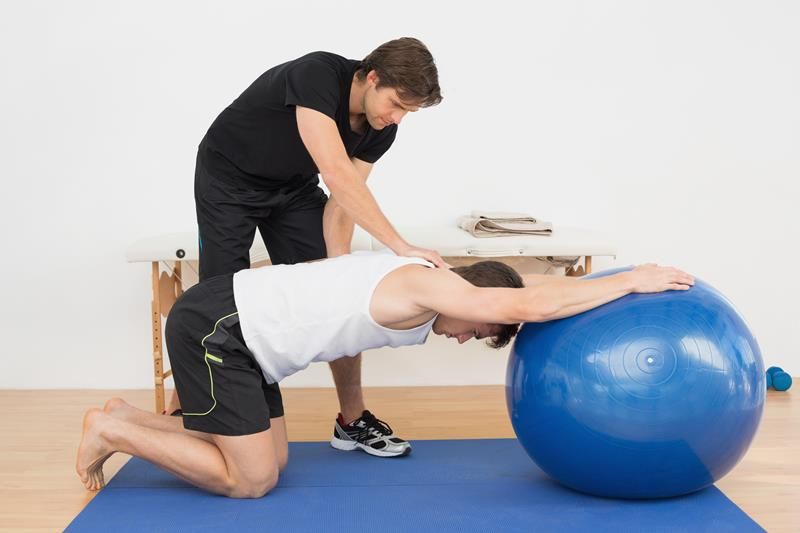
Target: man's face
[
  {"x": 462, "y": 330},
  {"x": 383, "y": 106}
]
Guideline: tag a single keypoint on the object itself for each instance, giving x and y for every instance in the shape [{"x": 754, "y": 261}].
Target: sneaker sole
[{"x": 350, "y": 445}]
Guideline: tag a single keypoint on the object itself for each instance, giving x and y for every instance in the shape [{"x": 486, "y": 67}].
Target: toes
[{"x": 95, "y": 483}]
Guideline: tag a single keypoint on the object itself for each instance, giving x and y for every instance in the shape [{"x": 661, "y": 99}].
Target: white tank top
[{"x": 293, "y": 315}]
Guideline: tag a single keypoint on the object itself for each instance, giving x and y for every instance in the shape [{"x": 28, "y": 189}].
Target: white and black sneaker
[{"x": 369, "y": 434}]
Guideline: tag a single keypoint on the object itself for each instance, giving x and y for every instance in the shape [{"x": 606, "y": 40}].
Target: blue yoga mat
[{"x": 456, "y": 485}]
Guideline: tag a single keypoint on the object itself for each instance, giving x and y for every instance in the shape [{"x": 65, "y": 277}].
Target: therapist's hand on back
[{"x": 429, "y": 255}]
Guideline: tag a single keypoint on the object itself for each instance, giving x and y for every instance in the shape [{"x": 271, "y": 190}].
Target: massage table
[{"x": 169, "y": 253}]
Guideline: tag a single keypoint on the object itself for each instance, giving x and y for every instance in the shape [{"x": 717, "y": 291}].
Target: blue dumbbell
[
  {"x": 778, "y": 379},
  {"x": 781, "y": 381},
  {"x": 770, "y": 371}
]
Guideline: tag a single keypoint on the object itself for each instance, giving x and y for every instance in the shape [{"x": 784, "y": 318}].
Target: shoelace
[{"x": 371, "y": 423}]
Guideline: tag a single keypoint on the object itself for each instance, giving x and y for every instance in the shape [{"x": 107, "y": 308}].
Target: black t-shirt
[{"x": 255, "y": 140}]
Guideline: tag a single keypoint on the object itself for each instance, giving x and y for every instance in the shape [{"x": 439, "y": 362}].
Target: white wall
[{"x": 674, "y": 126}]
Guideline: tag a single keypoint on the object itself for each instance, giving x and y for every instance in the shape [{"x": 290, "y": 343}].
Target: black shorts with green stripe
[{"x": 220, "y": 385}]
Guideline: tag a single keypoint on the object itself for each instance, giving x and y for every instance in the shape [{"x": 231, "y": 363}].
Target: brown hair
[
  {"x": 407, "y": 66},
  {"x": 493, "y": 274}
]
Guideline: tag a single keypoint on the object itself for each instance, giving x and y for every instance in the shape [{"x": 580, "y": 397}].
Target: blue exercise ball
[{"x": 649, "y": 396}]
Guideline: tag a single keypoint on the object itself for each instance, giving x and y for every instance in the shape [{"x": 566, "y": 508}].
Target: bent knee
[
  {"x": 254, "y": 488},
  {"x": 113, "y": 404}
]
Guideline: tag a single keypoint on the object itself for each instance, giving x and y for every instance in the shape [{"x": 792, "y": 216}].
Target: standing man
[{"x": 258, "y": 166}]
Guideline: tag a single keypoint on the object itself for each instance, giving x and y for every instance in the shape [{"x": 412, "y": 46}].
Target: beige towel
[{"x": 498, "y": 224}]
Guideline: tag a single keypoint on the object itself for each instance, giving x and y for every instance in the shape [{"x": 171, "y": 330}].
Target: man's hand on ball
[{"x": 651, "y": 277}]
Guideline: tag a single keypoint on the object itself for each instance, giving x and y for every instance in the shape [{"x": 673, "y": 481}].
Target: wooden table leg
[
  {"x": 177, "y": 278},
  {"x": 580, "y": 270},
  {"x": 158, "y": 357},
  {"x": 166, "y": 289}
]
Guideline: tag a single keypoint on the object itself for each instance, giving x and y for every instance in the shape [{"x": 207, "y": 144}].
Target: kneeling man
[{"x": 232, "y": 338}]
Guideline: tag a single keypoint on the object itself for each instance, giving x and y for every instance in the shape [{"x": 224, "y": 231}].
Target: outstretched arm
[
  {"x": 531, "y": 280},
  {"x": 449, "y": 294}
]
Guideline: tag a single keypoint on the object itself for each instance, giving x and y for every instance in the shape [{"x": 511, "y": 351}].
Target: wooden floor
[{"x": 40, "y": 430}]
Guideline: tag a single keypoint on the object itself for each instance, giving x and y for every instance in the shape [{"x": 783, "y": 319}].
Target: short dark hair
[
  {"x": 407, "y": 66},
  {"x": 493, "y": 274}
]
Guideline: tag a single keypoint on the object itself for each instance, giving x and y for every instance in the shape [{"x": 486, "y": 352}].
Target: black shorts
[
  {"x": 220, "y": 385},
  {"x": 288, "y": 215}
]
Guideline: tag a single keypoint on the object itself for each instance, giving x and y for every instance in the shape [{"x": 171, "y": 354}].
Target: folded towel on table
[{"x": 498, "y": 224}]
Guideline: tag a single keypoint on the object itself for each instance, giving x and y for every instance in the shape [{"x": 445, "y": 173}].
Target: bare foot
[{"x": 93, "y": 450}]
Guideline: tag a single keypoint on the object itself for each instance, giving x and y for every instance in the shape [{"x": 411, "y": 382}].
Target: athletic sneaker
[{"x": 369, "y": 434}]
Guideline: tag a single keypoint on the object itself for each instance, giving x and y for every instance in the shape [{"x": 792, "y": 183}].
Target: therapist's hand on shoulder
[{"x": 429, "y": 255}]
